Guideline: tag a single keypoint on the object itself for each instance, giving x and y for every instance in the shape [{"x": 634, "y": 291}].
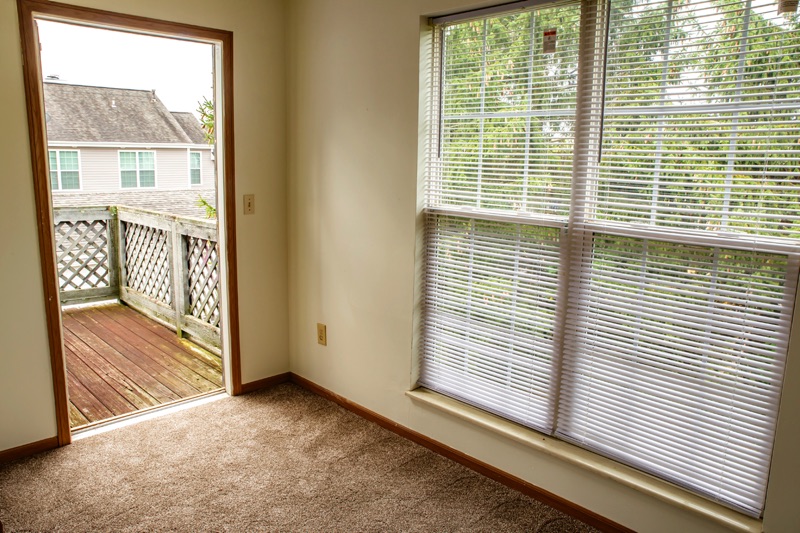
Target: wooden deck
[{"x": 119, "y": 361}]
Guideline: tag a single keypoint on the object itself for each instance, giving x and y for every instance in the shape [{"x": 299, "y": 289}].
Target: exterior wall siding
[
  {"x": 208, "y": 170},
  {"x": 99, "y": 169},
  {"x": 172, "y": 169}
]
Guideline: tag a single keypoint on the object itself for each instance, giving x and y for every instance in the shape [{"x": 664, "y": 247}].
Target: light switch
[{"x": 249, "y": 204}]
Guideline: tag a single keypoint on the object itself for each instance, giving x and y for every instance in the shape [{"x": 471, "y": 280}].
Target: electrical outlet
[
  {"x": 249, "y": 204},
  {"x": 322, "y": 334}
]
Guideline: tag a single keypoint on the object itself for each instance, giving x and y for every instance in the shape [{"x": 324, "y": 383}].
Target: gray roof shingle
[
  {"x": 81, "y": 113},
  {"x": 191, "y": 126},
  {"x": 170, "y": 202}
]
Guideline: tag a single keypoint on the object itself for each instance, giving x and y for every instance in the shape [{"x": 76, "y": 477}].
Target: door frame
[{"x": 28, "y": 10}]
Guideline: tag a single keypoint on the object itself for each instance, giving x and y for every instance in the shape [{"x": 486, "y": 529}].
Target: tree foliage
[
  {"x": 206, "y": 111},
  {"x": 508, "y": 109}
]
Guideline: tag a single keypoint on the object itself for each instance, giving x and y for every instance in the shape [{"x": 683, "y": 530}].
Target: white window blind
[
  {"x": 611, "y": 250},
  {"x": 490, "y": 315},
  {"x": 497, "y": 209},
  {"x": 674, "y": 360},
  {"x": 507, "y": 114},
  {"x": 701, "y": 110}
]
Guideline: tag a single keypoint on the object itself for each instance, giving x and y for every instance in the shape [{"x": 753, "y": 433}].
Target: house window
[
  {"x": 64, "y": 170},
  {"x": 195, "y": 177},
  {"x": 612, "y": 250},
  {"x": 137, "y": 169}
]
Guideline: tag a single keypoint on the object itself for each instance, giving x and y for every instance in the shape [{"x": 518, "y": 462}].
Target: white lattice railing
[
  {"x": 147, "y": 261},
  {"x": 85, "y": 253},
  {"x": 203, "y": 283},
  {"x": 163, "y": 265}
]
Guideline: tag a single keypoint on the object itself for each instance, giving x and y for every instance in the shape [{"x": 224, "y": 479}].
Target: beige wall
[
  {"x": 26, "y": 393},
  {"x": 353, "y": 152},
  {"x": 26, "y": 398}
]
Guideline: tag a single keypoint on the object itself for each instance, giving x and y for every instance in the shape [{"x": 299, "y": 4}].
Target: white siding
[
  {"x": 208, "y": 175},
  {"x": 99, "y": 170},
  {"x": 209, "y": 170},
  {"x": 172, "y": 169}
]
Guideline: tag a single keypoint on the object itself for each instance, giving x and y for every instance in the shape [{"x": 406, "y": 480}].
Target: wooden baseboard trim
[
  {"x": 28, "y": 449},
  {"x": 518, "y": 484},
  {"x": 266, "y": 382}
]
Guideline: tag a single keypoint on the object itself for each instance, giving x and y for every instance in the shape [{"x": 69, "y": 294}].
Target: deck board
[
  {"x": 76, "y": 418},
  {"x": 109, "y": 346},
  {"x": 119, "y": 361},
  {"x": 107, "y": 336},
  {"x": 99, "y": 388},
  {"x": 86, "y": 402},
  {"x": 204, "y": 356},
  {"x": 129, "y": 388},
  {"x": 175, "y": 347}
]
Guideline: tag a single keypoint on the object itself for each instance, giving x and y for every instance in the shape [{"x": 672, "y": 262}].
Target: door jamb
[{"x": 27, "y": 10}]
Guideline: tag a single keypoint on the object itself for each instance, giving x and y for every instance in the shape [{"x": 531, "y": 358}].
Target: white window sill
[{"x": 592, "y": 462}]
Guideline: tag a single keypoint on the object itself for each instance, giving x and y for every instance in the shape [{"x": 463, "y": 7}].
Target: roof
[
  {"x": 171, "y": 202},
  {"x": 82, "y": 113},
  {"x": 191, "y": 126}
]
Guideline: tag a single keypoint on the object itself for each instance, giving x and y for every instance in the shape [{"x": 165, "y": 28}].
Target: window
[
  {"x": 612, "y": 229},
  {"x": 195, "y": 177},
  {"x": 137, "y": 169},
  {"x": 64, "y": 170}
]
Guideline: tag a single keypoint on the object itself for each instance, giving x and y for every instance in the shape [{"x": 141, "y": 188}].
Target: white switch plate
[{"x": 249, "y": 204}]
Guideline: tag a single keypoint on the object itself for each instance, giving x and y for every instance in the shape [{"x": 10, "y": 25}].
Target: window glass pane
[
  {"x": 194, "y": 168},
  {"x": 673, "y": 361},
  {"x": 147, "y": 178},
  {"x": 68, "y": 160},
  {"x": 127, "y": 160},
  {"x": 128, "y": 178},
  {"x": 53, "y": 161},
  {"x": 508, "y": 113},
  {"x": 489, "y": 315},
  {"x": 147, "y": 161},
  {"x": 70, "y": 180},
  {"x": 702, "y": 118},
  {"x": 54, "y": 180}
]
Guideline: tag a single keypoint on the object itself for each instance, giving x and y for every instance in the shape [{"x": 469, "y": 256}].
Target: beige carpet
[{"x": 281, "y": 459}]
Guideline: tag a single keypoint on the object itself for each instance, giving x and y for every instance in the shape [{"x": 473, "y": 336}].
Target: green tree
[
  {"x": 508, "y": 112},
  {"x": 206, "y": 111}
]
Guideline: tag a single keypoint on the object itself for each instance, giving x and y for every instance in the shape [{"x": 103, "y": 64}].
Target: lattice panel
[
  {"x": 82, "y": 254},
  {"x": 147, "y": 266},
  {"x": 203, "y": 262}
]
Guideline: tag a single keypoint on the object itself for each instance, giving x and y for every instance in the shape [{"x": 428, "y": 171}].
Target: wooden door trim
[{"x": 27, "y": 11}]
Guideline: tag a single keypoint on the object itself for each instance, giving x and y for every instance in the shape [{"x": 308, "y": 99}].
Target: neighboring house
[{"x": 105, "y": 140}]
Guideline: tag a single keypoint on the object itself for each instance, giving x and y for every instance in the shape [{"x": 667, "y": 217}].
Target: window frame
[
  {"x": 583, "y": 228},
  {"x": 58, "y": 170},
  {"x": 138, "y": 170}
]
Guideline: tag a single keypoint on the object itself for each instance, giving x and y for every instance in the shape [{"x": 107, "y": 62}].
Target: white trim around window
[
  {"x": 64, "y": 179},
  {"x": 137, "y": 169}
]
